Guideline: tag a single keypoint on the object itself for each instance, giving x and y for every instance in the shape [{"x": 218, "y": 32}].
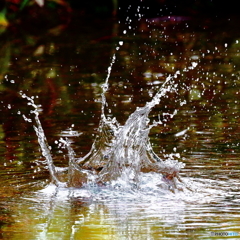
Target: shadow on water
[{"x": 66, "y": 71}]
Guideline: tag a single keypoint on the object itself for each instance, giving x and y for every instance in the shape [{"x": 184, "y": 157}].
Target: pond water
[{"x": 65, "y": 69}]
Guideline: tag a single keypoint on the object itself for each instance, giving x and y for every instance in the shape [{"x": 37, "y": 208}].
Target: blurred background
[{"x": 13, "y": 11}]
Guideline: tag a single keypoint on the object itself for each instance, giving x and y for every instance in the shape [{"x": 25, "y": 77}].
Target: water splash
[{"x": 121, "y": 155}]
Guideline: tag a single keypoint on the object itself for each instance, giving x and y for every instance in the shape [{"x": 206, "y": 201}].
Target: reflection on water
[
  {"x": 103, "y": 214},
  {"x": 66, "y": 72}
]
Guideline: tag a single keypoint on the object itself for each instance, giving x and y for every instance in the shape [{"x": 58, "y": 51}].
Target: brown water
[{"x": 65, "y": 70}]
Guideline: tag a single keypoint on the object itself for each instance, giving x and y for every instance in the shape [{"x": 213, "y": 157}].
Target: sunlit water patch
[{"x": 111, "y": 213}]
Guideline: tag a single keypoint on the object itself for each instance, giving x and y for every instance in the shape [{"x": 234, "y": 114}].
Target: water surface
[{"x": 66, "y": 71}]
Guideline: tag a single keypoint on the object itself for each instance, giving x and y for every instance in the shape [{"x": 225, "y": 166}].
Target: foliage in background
[{"x": 16, "y": 11}]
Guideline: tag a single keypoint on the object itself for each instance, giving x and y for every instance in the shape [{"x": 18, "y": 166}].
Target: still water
[{"x": 64, "y": 70}]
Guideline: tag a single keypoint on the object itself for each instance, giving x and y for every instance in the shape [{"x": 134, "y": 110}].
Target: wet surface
[{"x": 65, "y": 70}]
